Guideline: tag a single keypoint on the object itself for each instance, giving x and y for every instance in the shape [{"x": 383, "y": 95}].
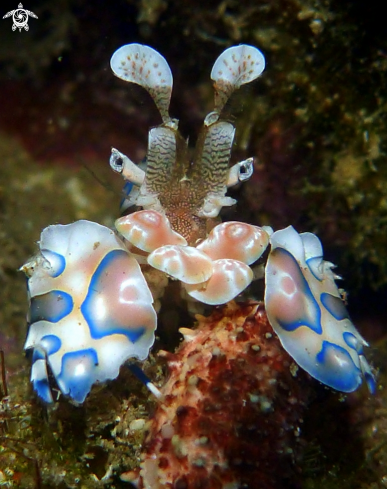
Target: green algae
[
  {"x": 318, "y": 108},
  {"x": 66, "y": 446}
]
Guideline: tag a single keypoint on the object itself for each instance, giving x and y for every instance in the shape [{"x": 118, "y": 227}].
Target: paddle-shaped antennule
[
  {"x": 144, "y": 66},
  {"x": 234, "y": 67}
]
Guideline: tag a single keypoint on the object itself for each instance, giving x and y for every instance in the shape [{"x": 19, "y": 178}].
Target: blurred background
[{"x": 315, "y": 122}]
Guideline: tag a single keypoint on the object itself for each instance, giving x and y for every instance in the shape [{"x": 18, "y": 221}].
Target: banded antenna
[
  {"x": 236, "y": 66},
  {"x": 140, "y": 64}
]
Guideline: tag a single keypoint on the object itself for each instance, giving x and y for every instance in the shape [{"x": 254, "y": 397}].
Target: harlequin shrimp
[{"x": 93, "y": 306}]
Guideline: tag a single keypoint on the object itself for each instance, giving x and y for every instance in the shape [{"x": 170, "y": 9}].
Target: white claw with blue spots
[
  {"x": 90, "y": 309},
  {"x": 306, "y": 310}
]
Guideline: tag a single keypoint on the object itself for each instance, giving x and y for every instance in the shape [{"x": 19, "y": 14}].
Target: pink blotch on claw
[
  {"x": 148, "y": 230},
  {"x": 305, "y": 308},
  {"x": 183, "y": 263},
  {"x": 236, "y": 240},
  {"x": 230, "y": 278}
]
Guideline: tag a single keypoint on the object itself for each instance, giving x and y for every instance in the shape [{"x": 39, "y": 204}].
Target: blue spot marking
[
  {"x": 335, "y": 306},
  {"x": 52, "y": 307},
  {"x": 351, "y": 340},
  {"x": 50, "y": 343},
  {"x": 134, "y": 334},
  {"x": 57, "y": 262},
  {"x": 371, "y": 382},
  {"x": 38, "y": 355},
  {"x": 78, "y": 373},
  {"x": 99, "y": 328},
  {"x": 127, "y": 188},
  {"x": 313, "y": 264},
  {"x": 342, "y": 375},
  {"x": 314, "y": 321},
  {"x": 42, "y": 388}
]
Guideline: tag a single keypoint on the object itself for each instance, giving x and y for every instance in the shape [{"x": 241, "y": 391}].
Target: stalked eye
[
  {"x": 118, "y": 163},
  {"x": 129, "y": 170}
]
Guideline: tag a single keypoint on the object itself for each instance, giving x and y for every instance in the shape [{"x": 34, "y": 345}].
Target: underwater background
[{"x": 316, "y": 126}]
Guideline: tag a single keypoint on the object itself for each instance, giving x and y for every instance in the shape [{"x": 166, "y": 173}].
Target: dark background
[{"x": 315, "y": 121}]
